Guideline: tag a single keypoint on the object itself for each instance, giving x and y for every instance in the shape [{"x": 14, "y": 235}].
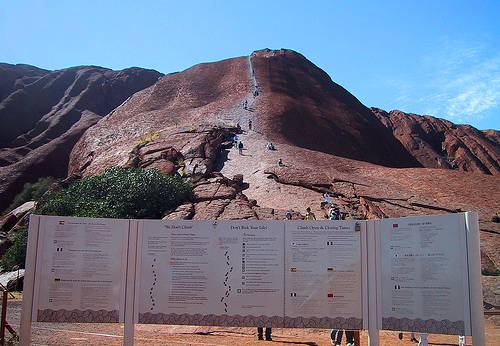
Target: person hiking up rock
[
  {"x": 309, "y": 215},
  {"x": 334, "y": 213},
  {"x": 240, "y": 147}
]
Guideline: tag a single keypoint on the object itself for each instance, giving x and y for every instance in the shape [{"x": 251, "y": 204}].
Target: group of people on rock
[{"x": 334, "y": 213}]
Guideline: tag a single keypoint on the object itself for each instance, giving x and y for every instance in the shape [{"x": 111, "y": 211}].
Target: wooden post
[{"x": 5, "y": 296}]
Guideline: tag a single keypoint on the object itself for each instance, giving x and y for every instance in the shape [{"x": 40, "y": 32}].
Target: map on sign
[{"x": 81, "y": 270}]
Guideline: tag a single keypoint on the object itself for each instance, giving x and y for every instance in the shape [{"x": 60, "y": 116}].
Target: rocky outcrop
[
  {"x": 438, "y": 143},
  {"x": 374, "y": 164},
  {"x": 44, "y": 113},
  {"x": 12, "y": 222},
  {"x": 300, "y": 105},
  {"x": 16, "y": 77},
  {"x": 12, "y": 280}
]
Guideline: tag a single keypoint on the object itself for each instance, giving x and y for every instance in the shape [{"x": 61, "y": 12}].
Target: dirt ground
[{"x": 150, "y": 335}]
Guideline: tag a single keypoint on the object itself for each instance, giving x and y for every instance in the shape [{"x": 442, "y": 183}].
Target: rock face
[
  {"x": 375, "y": 164},
  {"x": 43, "y": 114},
  {"x": 438, "y": 143},
  {"x": 300, "y": 105}
]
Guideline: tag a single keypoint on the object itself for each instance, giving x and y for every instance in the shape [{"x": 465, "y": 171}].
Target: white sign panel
[
  {"x": 323, "y": 280},
  {"x": 424, "y": 280},
  {"x": 210, "y": 273},
  {"x": 80, "y": 270}
]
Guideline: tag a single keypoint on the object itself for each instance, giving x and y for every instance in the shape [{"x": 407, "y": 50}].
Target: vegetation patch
[
  {"x": 31, "y": 192},
  {"x": 16, "y": 253},
  {"x": 119, "y": 193}
]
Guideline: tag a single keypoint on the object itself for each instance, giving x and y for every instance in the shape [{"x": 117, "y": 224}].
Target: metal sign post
[
  {"x": 373, "y": 285},
  {"x": 29, "y": 281},
  {"x": 475, "y": 285}
]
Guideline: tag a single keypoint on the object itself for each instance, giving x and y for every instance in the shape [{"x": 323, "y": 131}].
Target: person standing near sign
[
  {"x": 267, "y": 335},
  {"x": 336, "y": 335},
  {"x": 260, "y": 330}
]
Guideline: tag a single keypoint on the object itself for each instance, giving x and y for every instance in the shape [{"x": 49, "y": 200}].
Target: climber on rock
[
  {"x": 240, "y": 147},
  {"x": 333, "y": 213},
  {"x": 309, "y": 215}
]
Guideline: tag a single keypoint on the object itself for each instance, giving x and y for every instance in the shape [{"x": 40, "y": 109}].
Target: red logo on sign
[
  {"x": 330, "y": 295},
  {"x": 394, "y": 225}
]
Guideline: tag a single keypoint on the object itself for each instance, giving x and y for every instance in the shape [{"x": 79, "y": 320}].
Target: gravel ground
[{"x": 111, "y": 334}]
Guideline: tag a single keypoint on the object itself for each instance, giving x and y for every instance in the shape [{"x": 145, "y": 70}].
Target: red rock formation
[
  {"x": 44, "y": 113},
  {"x": 326, "y": 139},
  {"x": 299, "y": 104},
  {"x": 15, "y": 77},
  {"x": 183, "y": 121},
  {"x": 438, "y": 143}
]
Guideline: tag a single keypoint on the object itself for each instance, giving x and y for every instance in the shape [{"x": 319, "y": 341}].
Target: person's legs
[
  {"x": 338, "y": 337},
  {"x": 423, "y": 339},
  {"x": 268, "y": 334},
  {"x": 332, "y": 335},
  {"x": 259, "y": 333},
  {"x": 349, "y": 335}
]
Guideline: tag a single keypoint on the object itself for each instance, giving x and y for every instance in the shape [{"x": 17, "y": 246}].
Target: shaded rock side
[
  {"x": 44, "y": 113},
  {"x": 438, "y": 143}
]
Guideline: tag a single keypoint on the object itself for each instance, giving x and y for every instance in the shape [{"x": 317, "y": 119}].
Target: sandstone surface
[{"x": 43, "y": 113}]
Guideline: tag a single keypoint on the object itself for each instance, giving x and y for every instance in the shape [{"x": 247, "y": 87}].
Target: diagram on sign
[
  {"x": 227, "y": 285},
  {"x": 153, "y": 284}
]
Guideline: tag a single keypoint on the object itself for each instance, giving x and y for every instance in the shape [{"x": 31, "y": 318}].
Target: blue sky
[{"x": 439, "y": 57}]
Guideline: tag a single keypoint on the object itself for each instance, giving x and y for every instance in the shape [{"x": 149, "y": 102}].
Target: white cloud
[{"x": 457, "y": 81}]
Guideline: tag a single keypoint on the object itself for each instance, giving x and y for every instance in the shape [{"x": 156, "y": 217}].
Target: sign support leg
[
  {"x": 128, "y": 331},
  {"x": 29, "y": 281},
  {"x": 475, "y": 285},
  {"x": 373, "y": 332}
]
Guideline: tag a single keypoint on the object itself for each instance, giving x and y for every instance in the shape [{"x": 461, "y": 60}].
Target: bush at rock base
[
  {"x": 16, "y": 253},
  {"x": 31, "y": 192},
  {"x": 118, "y": 193}
]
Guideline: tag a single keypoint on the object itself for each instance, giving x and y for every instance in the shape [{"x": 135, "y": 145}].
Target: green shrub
[
  {"x": 31, "y": 192},
  {"x": 16, "y": 253},
  {"x": 118, "y": 193}
]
